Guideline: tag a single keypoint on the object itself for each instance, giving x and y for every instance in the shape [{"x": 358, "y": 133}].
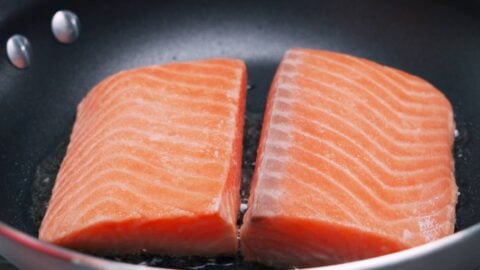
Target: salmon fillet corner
[
  {"x": 154, "y": 163},
  {"x": 354, "y": 161}
]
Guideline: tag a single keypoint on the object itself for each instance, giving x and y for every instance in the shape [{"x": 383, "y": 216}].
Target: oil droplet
[
  {"x": 243, "y": 207},
  {"x": 65, "y": 26},
  {"x": 19, "y": 51},
  {"x": 462, "y": 138}
]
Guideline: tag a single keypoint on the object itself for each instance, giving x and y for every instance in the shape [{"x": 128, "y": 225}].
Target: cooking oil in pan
[
  {"x": 461, "y": 139},
  {"x": 462, "y": 155}
]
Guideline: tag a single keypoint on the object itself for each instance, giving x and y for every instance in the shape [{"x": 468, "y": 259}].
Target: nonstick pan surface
[{"x": 437, "y": 40}]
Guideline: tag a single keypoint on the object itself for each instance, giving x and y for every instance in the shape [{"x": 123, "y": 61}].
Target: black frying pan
[{"x": 437, "y": 40}]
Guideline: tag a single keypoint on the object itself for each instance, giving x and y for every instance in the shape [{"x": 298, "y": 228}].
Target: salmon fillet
[
  {"x": 354, "y": 161},
  {"x": 154, "y": 163}
]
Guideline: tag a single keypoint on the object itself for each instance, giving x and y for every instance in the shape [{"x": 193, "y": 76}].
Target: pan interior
[{"x": 435, "y": 40}]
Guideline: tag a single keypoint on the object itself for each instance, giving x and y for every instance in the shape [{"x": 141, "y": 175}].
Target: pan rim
[{"x": 391, "y": 259}]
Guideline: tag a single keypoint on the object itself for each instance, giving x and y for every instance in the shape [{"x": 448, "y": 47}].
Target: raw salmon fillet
[
  {"x": 154, "y": 163},
  {"x": 355, "y": 160}
]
